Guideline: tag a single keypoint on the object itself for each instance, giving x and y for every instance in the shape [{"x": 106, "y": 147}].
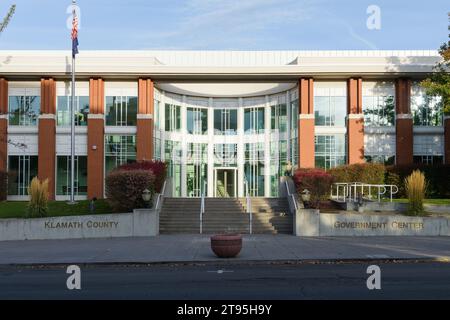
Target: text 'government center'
[{"x": 217, "y": 118}]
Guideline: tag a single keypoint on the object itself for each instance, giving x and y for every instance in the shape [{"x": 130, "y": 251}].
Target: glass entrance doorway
[{"x": 225, "y": 183}]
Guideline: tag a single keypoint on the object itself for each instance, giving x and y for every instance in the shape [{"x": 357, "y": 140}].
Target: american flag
[{"x": 74, "y": 34}]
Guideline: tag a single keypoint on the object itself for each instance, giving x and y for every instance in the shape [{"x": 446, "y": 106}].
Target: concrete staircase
[{"x": 181, "y": 215}]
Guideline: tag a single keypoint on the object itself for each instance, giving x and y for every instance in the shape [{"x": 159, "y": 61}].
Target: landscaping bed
[{"x": 18, "y": 209}]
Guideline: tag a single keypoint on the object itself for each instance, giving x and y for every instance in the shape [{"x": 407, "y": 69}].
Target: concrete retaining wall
[
  {"x": 141, "y": 222},
  {"x": 313, "y": 223}
]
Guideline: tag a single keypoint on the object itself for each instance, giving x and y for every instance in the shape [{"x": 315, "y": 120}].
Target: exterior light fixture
[{"x": 306, "y": 195}]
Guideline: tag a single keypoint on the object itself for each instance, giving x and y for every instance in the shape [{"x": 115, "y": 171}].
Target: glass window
[
  {"x": 119, "y": 150},
  {"x": 254, "y": 168},
  {"x": 254, "y": 120},
  {"x": 21, "y": 169},
  {"x": 278, "y": 162},
  {"x": 330, "y": 110},
  {"x": 330, "y": 150},
  {"x": 225, "y": 121},
  {"x": 197, "y": 120},
  {"x": 24, "y": 110},
  {"x": 157, "y": 114},
  {"x": 225, "y": 155},
  {"x": 383, "y": 159},
  {"x": 121, "y": 111},
  {"x": 379, "y": 110},
  {"x": 81, "y": 110},
  {"x": 428, "y": 159},
  {"x": 196, "y": 169},
  {"x": 173, "y": 154},
  {"x": 173, "y": 117},
  {"x": 278, "y": 117},
  {"x": 63, "y": 172},
  {"x": 426, "y": 110}
]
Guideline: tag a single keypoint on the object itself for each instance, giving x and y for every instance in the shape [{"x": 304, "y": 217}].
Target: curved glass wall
[{"x": 213, "y": 145}]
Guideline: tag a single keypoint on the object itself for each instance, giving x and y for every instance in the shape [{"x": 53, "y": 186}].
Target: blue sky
[{"x": 228, "y": 24}]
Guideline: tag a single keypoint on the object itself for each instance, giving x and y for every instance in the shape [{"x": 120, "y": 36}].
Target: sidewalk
[{"x": 196, "y": 248}]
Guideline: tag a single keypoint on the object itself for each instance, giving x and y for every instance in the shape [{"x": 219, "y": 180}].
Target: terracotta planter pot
[{"x": 226, "y": 245}]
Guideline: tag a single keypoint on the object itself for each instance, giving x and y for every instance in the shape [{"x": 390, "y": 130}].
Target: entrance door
[{"x": 225, "y": 183}]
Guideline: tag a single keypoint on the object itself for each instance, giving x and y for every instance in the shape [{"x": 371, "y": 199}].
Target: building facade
[{"x": 221, "y": 120}]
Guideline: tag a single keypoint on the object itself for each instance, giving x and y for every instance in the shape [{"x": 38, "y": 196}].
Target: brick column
[
  {"x": 3, "y": 124},
  {"x": 355, "y": 122},
  {"x": 306, "y": 124},
  {"x": 47, "y": 135},
  {"x": 96, "y": 136},
  {"x": 447, "y": 139},
  {"x": 404, "y": 122},
  {"x": 144, "y": 136}
]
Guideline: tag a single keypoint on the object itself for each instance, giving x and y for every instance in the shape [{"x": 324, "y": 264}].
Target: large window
[
  {"x": 330, "y": 104},
  {"x": 22, "y": 169},
  {"x": 278, "y": 117},
  {"x": 197, "y": 120},
  {"x": 426, "y": 110},
  {"x": 294, "y": 130},
  {"x": 81, "y": 110},
  {"x": 173, "y": 154},
  {"x": 63, "y": 175},
  {"x": 378, "y": 103},
  {"x": 196, "y": 169},
  {"x": 254, "y": 120},
  {"x": 225, "y": 155},
  {"x": 428, "y": 159},
  {"x": 119, "y": 149},
  {"x": 278, "y": 162},
  {"x": 254, "y": 168},
  {"x": 121, "y": 111},
  {"x": 383, "y": 159},
  {"x": 24, "y": 110},
  {"x": 225, "y": 121},
  {"x": 330, "y": 150},
  {"x": 172, "y": 117}
]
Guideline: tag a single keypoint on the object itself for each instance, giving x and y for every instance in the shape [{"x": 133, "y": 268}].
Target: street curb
[{"x": 237, "y": 262}]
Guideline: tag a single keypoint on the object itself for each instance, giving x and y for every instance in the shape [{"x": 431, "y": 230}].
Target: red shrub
[
  {"x": 317, "y": 181},
  {"x": 158, "y": 168}
]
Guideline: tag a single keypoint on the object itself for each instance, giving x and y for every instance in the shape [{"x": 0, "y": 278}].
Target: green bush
[
  {"x": 123, "y": 188},
  {"x": 437, "y": 176},
  {"x": 370, "y": 173},
  {"x": 3, "y": 185}
]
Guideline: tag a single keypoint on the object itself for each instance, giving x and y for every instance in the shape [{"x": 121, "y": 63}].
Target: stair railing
[
  {"x": 290, "y": 195},
  {"x": 249, "y": 206},
  {"x": 202, "y": 206},
  {"x": 160, "y": 197}
]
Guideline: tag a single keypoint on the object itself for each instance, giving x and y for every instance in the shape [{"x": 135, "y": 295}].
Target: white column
[
  {"x": 267, "y": 149},
  {"x": 240, "y": 149},
  {"x": 210, "y": 148},
  {"x": 183, "y": 148}
]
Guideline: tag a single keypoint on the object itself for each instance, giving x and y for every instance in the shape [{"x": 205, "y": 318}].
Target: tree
[
  {"x": 7, "y": 18},
  {"x": 438, "y": 83}
]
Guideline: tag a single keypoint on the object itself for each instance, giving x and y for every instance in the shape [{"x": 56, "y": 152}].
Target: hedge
[
  {"x": 123, "y": 188},
  {"x": 316, "y": 181},
  {"x": 158, "y": 168},
  {"x": 437, "y": 176},
  {"x": 371, "y": 173}
]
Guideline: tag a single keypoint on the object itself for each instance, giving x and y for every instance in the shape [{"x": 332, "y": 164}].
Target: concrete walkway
[{"x": 196, "y": 248}]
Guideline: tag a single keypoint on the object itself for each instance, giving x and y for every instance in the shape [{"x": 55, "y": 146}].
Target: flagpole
[{"x": 72, "y": 127}]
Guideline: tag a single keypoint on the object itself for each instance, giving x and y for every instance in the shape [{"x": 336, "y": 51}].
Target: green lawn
[
  {"x": 18, "y": 209},
  {"x": 430, "y": 201}
]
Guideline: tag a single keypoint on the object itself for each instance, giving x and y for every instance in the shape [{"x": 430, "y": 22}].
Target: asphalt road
[{"x": 259, "y": 281}]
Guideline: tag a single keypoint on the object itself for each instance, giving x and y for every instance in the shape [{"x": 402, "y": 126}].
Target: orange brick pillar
[
  {"x": 47, "y": 135},
  {"x": 3, "y": 124},
  {"x": 306, "y": 124},
  {"x": 404, "y": 122},
  {"x": 447, "y": 139},
  {"x": 96, "y": 136},
  {"x": 144, "y": 136},
  {"x": 355, "y": 122}
]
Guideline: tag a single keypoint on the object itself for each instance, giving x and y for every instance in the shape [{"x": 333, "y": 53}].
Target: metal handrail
[
  {"x": 202, "y": 207},
  {"x": 350, "y": 190},
  {"x": 160, "y": 195},
  {"x": 249, "y": 206},
  {"x": 291, "y": 195}
]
